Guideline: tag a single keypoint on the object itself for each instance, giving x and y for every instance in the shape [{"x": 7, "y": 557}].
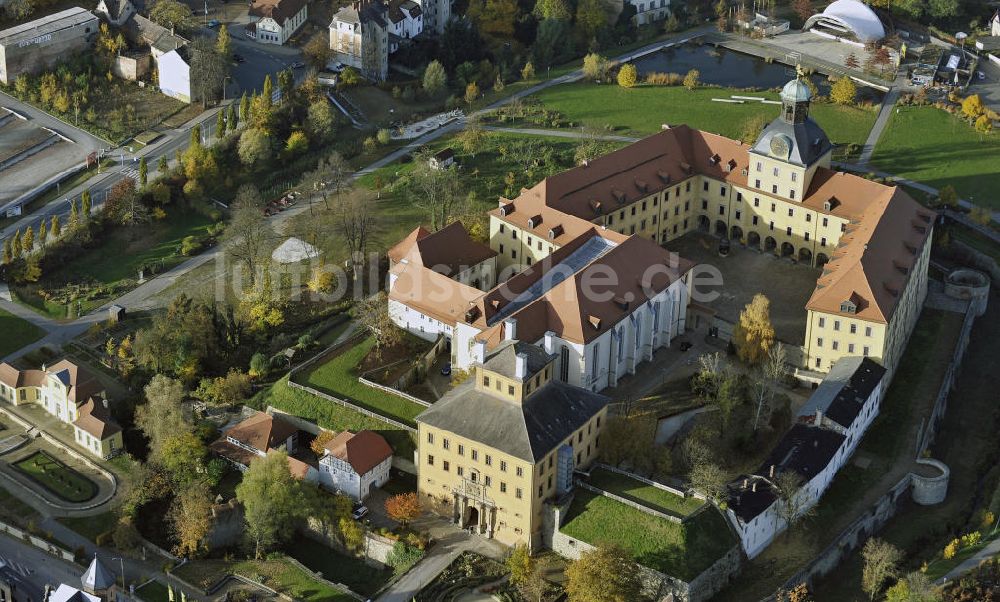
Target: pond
[{"x": 724, "y": 67}]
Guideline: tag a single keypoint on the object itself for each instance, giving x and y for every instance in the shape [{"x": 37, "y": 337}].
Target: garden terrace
[
  {"x": 57, "y": 478},
  {"x": 680, "y": 550},
  {"x": 643, "y": 493},
  {"x": 276, "y": 572},
  {"x": 351, "y": 571},
  {"x": 338, "y": 377}
]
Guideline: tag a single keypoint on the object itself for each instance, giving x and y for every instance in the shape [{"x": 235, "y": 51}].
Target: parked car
[
  {"x": 446, "y": 369},
  {"x": 297, "y": 65},
  {"x": 238, "y": 58},
  {"x": 360, "y": 511},
  {"x": 213, "y": 23}
]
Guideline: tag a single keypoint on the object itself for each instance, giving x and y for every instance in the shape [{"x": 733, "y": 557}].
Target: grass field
[
  {"x": 332, "y": 416},
  {"x": 682, "y": 551},
  {"x": 14, "y": 510},
  {"x": 655, "y": 498},
  {"x": 642, "y": 110},
  {"x": 931, "y": 146},
  {"x": 154, "y": 591},
  {"x": 336, "y": 567},
  {"x": 16, "y": 333},
  {"x": 91, "y": 526},
  {"x": 339, "y": 378},
  {"x": 114, "y": 266},
  {"x": 57, "y": 478},
  {"x": 276, "y": 571}
]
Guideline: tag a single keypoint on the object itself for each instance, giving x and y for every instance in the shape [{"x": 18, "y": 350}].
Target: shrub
[
  {"x": 190, "y": 246},
  {"x": 402, "y": 557}
]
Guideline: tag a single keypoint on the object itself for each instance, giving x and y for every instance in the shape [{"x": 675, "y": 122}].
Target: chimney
[
  {"x": 819, "y": 417},
  {"x": 771, "y": 472},
  {"x": 45, "y": 368},
  {"x": 745, "y": 481},
  {"x": 510, "y": 329},
  {"x": 392, "y": 280},
  {"x": 754, "y": 487},
  {"x": 520, "y": 366},
  {"x": 550, "y": 342},
  {"x": 479, "y": 351}
]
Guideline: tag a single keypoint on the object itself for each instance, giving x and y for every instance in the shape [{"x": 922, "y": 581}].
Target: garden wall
[
  {"x": 376, "y": 548},
  {"x": 886, "y": 506},
  {"x": 38, "y": 542},
  {"x": 655, "y": 585}
]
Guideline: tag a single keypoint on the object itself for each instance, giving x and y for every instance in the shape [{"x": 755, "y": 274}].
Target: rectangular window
[
  {"x": 520, "y": 471},
  {"x": 850, "y": 348},
  {"x": 503, "y": 465},
  {"x": 791, "y": 194},
  {"x": 540, "y": 491},
  {"x": 760, "y": 166},
  {"x": 825, "y": 222},
  {"x": 445, "y": 465},
  {"x": 794, "y": 176},
  {"x": 836, "y": 324},
  {"x": 807, "y": 237},
  {"x": 486, "y": 381},
  {"x": 510, "y": 389},
  {"x": 722, "y": 190},
  {"x": 459, "y": 471},
  {"x": 704, "y": 186},
  {"x": 755, "y": 220},
  {"x": 633, "y": 209},
  {"x": 445, "y": 443},
  {"x": 503, "y": 487},
  {"x": 489, "y": 460},
  {"x": 430, "y": 438},
  {"x": 822, "y": 241},
  {"x": 475, "y": 455},
  {"x": 487, "y": 481},
  {"x": 687, "y": 205},
  {"x": 518, "y": 493},
  {"x": 822, "y": 322},
  {"x": 819, "y": 342},
  {"x": 756, "y": 202},
  {"x": 819, "y": 362},
  {"x": 774, "y": 171},
  {"x": 704, "y": 205},
  {"x": 788, "y": 230},
  {"x": 644, "y": 205},
  {"x": 866, "y": 350},
  {"x": 774, "y": 189},
  {"x": 853, "y": 328},
  {"x": 722, "y": 209},
  {"x": 835, "y": 345},
  {"x": 461, "y": 449},
  {"x": 513, "y": 234},
  {"x": 791, "y": 212},
  {"x": 868, "y": 331},
  {"x": 430, "y": 460}
]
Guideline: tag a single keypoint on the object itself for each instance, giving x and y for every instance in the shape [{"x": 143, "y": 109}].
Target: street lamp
[{"x": 122, "y": 561}]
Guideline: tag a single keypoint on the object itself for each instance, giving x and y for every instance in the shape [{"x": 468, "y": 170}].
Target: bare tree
[
  {"x": 709, "y": 479},
  {"x": 792, "y": 507},
  {"x": 355, "y": 222},
  {"x": 434, "y": 190},
  {"x": 881, "y": 563},
  {"x": 766, "y": 380},
  {"x": 208, "y": 69},
  {"x": 248, "y": 232},
  {"x": 372, "y": 313}
]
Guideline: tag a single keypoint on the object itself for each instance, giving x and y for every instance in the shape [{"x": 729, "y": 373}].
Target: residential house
[
  {"x": 443, "y": 159},
  {"x": 71, "y": 394},
  {"x": 275, "y": 21},
  {"x": 259, "y": 435},
  {"x": 822, "y": 440},
  {"x": 170, "y": 55},
  {"x": 648, "y": 11},
  {"x": 115, "y": 12},
  {"x": 359, "y": 37},
  {"x": 495, "y": 448},
  {"x": 353, "y": 463},
  {"x": 450, "y": 252}
]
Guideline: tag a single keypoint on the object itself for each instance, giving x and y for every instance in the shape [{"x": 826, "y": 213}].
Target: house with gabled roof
[
  {"x": 73, "y": 395},
  {"x": 259, "y": 435},
  {"x": 275, "y": 21},
  {"x": 354, "y": 463},
  {"x": 116, "y": 12}
]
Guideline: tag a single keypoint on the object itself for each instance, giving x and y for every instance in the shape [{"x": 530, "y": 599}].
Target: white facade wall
[
  {"x": 648, "y": 11},
  {"x": 270, "y": 31},
  {"x": 418, "y": 323},
  {"x": 174, "y": 76},
  {"x": 338, "y": 476}
]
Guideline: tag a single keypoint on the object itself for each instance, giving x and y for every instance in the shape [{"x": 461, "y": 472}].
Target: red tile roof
[{"x": 363, "y": 450}]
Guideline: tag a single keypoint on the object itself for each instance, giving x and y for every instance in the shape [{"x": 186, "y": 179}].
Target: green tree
[
  {"x": 85, "y": 207},
  {"x": 171, "y": 14},
  {"x": 28, "y": 240},
  {"x": 254, "y": 147},
  {"x": 721, "y": 7},
  {"x": 297, "y": 143},
  {"x": 881, "y": 562},
  {"x": 143, "y": 172},
  {"x": 271, "y": 500},
  {"x": 220, "y": 123},
  {"x": 231, "y": 118},
  {"x": 286, "y": 84},
  {"x": 471, "y": 93},
  {"x": 244, "y": 108},
  {"x": 843, "y": 91},
  {"x": 520, "y": 564},
  {"x": 915, "y": 587},
  {"x": 7, "y": 255},
  {"x": 182, "y": 456},
  {"x": 595, "y": 67},
  {"x": 55, "y": 228},
  {"x": 754, "y": 334},
  {"x": 320, "y": 120},
  {"x": 628, "y": 76},
  {"x": 16, "y": 247},
  {"x": 435, "y": 79},
  {"x": 554, "y": 9},
  {"x": 161, "y": 165},
  {"x": 691, "y": 79},
  {"x": 190, "y": 516},
  {"x": 247, "y": 231},
  {"x": 947, "y": 196},
  {"x": 528, "y": 72},
  {"x": 605, "y": 574},
  {"x": 224, "y": 43},
  {"x": 161, "y": 415},
  {"x": 984, "y": 125},
  {"x": 43, "y": 232},
  {"x": 591, "y": 17}
]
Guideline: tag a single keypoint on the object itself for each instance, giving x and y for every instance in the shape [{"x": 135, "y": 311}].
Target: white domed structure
[{"x": 851, "y": 18}]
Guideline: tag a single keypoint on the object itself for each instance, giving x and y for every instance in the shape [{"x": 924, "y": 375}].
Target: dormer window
[
  {"x": 619, "y": 196},
  {"x": 507, "y": 209},
  {"x": 555, "y": 232},
  {"x": 714, "y": 159},
  {"x": 595, "y": 322},
  {"x": 534, "y": 221},
  {"x": 641, "y": 185},
  {"x": 663, "y": 176},
  {"x": 848, "y": 307}
]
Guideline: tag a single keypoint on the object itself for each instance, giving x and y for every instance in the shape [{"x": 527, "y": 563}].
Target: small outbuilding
[
  {"x": 442, "y": 159},
  {"x": 116, "y": 313},
  {"x": 848, "y": 18}
]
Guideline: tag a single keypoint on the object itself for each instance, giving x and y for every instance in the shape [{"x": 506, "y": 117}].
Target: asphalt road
[{"x": 37, "y": 567}]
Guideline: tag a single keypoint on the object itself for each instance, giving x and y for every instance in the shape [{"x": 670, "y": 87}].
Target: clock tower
[{"x": 790, "y": 148}]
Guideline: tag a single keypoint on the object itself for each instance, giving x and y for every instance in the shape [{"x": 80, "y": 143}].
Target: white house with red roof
[{"x": 354, "y": 463}]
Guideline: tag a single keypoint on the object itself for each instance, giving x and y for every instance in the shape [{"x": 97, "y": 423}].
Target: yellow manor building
[
  {"x": 493, "y": 449},
  {"x": 778, "y": 195}
]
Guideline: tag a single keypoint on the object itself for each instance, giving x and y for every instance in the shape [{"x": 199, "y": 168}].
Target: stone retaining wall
[{"x": 38, "y": 542}]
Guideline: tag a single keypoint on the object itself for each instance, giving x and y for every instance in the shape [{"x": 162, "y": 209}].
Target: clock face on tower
[{"x": 781, "y": 146}]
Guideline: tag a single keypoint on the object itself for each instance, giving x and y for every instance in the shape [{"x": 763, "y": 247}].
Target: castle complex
[{"x": 594, "y": 293}]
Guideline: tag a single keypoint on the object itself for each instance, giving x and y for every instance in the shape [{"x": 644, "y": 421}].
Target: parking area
[{"x": 745, "y": 273}]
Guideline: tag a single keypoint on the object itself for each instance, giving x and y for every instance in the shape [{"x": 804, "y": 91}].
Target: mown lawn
[
  {"x": 154, "y": 591},
  {"x": 91, "y": 526},
  {"x": 332, "y": 416},
  {"x": 336, "y": 567},
  {"x": 655, "y": 498},
  {"x": 16, "y": 333},
  {"x": 339, "y": 378},
  {"x": 276, "y": 572},
  {"x": 57, "y": 478},
  {"x": 682, "y": 551},
  {"x": 644, "y": 109},
  {"x": 931, "y": 146}
]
